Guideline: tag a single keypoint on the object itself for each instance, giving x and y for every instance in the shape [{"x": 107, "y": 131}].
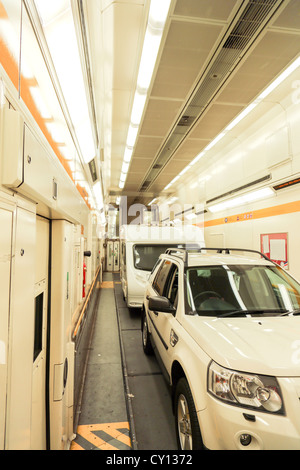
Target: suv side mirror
[{"x": 161, "y": 304}]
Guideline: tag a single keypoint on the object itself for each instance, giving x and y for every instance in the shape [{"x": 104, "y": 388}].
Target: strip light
[
  {"x": 158, "y": 13},
  {"x": 243, "y": 199},
  {"x": 57, "y": 21},
  {"x": 243, "y": 114}
]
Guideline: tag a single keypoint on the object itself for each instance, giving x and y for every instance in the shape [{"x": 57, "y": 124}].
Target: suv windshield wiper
[
  {"x": 292, "y": 312},
  {"x": 251, "y": 312}
]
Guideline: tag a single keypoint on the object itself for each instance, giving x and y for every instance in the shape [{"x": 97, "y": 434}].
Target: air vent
[
  {"x": 287, "y": 184},
  {"x": 145, "y": 185},
  {"x": 254, "y": 15},
  {"x": 186, "y": 121},
  {"x": 240, "y": 188},
  {"x": 240, "y": 36}
]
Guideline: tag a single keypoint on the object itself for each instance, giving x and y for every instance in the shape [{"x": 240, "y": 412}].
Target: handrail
[{"x": 85, "y": 304}]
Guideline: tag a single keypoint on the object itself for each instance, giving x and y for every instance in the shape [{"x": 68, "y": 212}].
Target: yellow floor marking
[
  {"x": 107, "y": 285},
  {"x": 75, "y": 446},
  {"x": 112, "y": 429}
]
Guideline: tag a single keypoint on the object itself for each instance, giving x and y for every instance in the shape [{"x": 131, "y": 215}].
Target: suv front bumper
[{"x": 226, "y": 427}]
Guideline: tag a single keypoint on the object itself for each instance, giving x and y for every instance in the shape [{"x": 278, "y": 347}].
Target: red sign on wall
[{"x": 274, "y": 245}]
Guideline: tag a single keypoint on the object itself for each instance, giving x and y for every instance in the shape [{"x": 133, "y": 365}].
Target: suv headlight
[{"x": 259, "y": 392}]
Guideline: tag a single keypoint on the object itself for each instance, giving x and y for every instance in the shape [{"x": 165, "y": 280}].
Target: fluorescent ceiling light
[
  {"x": 172, "y": 200},
  {"x": 280, "y": 79},
  {"x": 158, "y": 13},
  {"x": 138, "y": 108},
  {"x": 196, "y": 159},
  {"x": 39, "y": 102},
  {"x": 265, "y": 93},
  {"x": 242, "y": 115},
  {"x": 57, "y": 20},
  {"x": 98, "y": 195},
  {"x": 243, "y": 199},
  {"x": 190, "y": 216},
  {"x": 184, "y": 170},
  {"x": 56, "y": 132},
  {"x": 123, "y": 177},
  {"x": 153, "y": 200},
  {"x": 215, "y": 141},
  {"x": 125, "y": 167},
  {"x": 148, "y": 59},
  {"x": 175, "y": 179},
  {"x": 128, "y": 154},
  {"x": 121, "y": 184},
  {"x": 49, "y": 11},
  {"x": 132, "y": 135}
]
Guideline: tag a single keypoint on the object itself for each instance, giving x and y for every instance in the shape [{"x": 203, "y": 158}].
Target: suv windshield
[{"x": 241, "y": 289}]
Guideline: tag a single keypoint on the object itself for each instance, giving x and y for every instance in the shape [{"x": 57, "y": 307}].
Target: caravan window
[{"x": 145, "y": 256}]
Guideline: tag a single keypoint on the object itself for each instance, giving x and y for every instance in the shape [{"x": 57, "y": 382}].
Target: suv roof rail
[
  {"x": 228, "y": 250},
  {"x": 183, "y": 253},
  {"x": 177, "y": 252}
]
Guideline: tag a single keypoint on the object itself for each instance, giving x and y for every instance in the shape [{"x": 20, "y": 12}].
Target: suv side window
[
  {"x": 161, "y": 277},
  {"x": 171, "y": 286}
]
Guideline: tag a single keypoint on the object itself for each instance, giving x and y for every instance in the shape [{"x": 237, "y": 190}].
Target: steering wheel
[{"x": 211, "y": 293}]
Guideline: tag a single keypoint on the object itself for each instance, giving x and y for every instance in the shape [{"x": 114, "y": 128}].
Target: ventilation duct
[
  {"x": 263, "y": 179},
  {"x": 241, "y": 34}
]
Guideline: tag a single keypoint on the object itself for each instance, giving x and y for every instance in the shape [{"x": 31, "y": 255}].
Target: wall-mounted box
[{"x": 32, "y": 170}]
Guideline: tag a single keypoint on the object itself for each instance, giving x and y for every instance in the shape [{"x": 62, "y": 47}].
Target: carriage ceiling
[{"x": 215, "y": 58}]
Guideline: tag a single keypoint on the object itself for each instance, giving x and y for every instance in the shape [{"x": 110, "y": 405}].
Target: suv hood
[{"x": 266, "y": 345}]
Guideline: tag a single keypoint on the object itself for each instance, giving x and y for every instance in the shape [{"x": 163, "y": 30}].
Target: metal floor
[{"x": 126, "y": 403}]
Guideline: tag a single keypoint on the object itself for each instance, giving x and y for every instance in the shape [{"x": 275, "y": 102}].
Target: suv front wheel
[
  {"x": 187, "y": 427},
  {"x": 147, "y": 346}
]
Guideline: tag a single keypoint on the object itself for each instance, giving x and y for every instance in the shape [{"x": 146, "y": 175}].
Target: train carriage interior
[{"x": 151, "y": 114}]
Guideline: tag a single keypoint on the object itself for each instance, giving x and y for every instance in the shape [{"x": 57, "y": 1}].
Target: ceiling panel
[
  {"x": 190, "y": 148},
  {"x": 188, "y": 46},
  {"x": 160, "y": 116},
  {"x": 147, "y": 146},
  {"x": 140, "y": 165},
  {"x": 214, "y": 120},
  {"x": 264, "y": 63},
  {"x": 174, "y": 167},
  {"x": 217, "y": 9},
  {"x": 194, "y": 36},
  {"x": 290, "y": 17}
]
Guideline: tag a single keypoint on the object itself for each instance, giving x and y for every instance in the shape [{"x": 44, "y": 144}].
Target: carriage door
[
  {"x": 113, "y": 255},
  {"x": 38, "y": 426},
  {"x": 6, "y": 220}
]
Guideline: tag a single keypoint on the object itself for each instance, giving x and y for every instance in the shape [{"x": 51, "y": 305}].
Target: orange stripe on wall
[{"x": 281, "y": 209}]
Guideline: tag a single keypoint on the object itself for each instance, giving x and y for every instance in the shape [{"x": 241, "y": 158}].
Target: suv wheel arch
[{"x": 177, "y": 373}]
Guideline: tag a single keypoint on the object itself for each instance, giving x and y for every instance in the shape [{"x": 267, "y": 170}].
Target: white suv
[{"x": 226, "y": 331}]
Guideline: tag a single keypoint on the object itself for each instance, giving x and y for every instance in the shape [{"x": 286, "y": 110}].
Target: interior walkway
[{"x": 103, "y": 422}]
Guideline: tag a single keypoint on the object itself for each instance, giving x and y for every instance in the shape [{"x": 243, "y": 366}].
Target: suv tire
[
  {"x": 187, "y": 427},
  {"x": 147, "y": 346}
]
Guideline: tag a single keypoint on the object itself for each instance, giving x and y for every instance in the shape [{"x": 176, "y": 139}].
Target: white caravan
[{"x": 140, "y": 248}]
